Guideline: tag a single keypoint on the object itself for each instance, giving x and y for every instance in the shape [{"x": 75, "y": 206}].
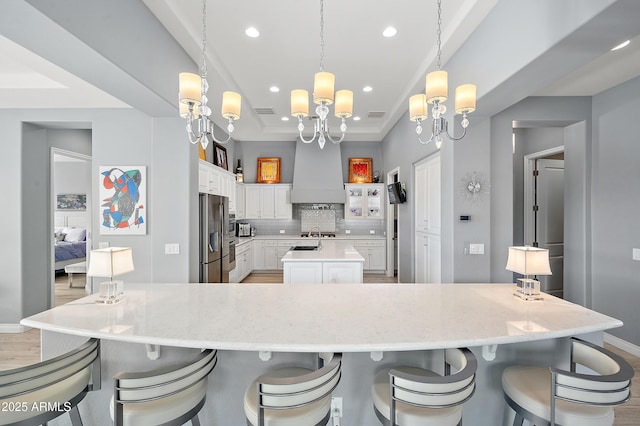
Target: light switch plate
[
  {"x": 372, "y": 231},
  {"x": 476, "y": 248},
  {"x": 282, "y": 231},
  {"x": 103, "y": 244},
  {"x": 636, "y": 254},
  {"x": 347, "y": 231},
  {"x": 172, "y": 249}
]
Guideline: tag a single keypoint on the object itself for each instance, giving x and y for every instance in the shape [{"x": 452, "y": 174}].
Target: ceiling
[{"x": 287, "y": 54}]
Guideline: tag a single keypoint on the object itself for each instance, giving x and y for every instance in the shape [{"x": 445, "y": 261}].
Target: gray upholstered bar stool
[
  {"x": 37, "y": 393},
  {"x": 548, "y": 396},
  {"x": 168, "y": 396},
  {"x": 410, "y": 396},
  {"x": 293, "y": 396}
]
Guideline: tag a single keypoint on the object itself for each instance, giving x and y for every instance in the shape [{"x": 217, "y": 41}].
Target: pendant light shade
[
  {"x": 190, "y": 88},
  {"x": 231, "y": 104},
  {"x": 299, "y": 103},
  {"x": 437, "y": 86},
  {"x": 323, "y": 88},
  {"x": 465, "y": 98},
  {"x": 344, "y": 103},
  {"x": 418, "y": 107}
]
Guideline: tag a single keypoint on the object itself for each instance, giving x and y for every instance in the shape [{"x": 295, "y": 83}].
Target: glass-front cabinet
[{"x": 364, "y": 201}]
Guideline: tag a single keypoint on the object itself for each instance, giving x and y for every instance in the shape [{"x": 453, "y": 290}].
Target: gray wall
[
  {"x": 615, "y": 205},
  {"x": 71, "y": 177}
]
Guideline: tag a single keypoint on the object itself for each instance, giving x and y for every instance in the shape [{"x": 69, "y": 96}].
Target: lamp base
[
  {"x": 110, "y": 292},
  {"x": 528, "y": 289}
]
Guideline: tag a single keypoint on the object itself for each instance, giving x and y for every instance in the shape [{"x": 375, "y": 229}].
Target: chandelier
[
  {"x": 323, "y": 96},
  {"x": 193, "y": 99},
  {"x": 436, "y": 93}
]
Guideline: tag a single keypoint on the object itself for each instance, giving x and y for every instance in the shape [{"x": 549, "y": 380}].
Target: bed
[{"x": 70, "y": 236}]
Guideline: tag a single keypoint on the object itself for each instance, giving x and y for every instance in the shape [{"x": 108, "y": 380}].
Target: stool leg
[
  {"x": 518, "y": 420},
  {"x": 70, "y": 276},
  {"x": 195, "y": 421},
  {"x": 75, "y": 416}
]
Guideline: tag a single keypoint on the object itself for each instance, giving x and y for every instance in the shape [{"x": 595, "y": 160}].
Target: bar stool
[
  {"x": 414, "y": 396},
  {"x": 169, "y": 396},
  {"x": 293, "y": 396},
  {"x": 544, "y": 396},
  {"x": 38, "y": 393}
]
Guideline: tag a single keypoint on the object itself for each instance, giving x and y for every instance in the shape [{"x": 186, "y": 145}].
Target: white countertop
[
  {"x": 323, "y": 317},
  {"x": 337, "y": 237},
  {"x": 331, "y": 251}
]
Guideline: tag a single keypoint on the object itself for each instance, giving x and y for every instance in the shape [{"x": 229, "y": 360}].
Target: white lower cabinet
[
  {"x": 374, "y": 253},
  {"x": 322, "y": 272},
  {"x": 244, "y": 263},
  {"x": 427, "y": 258}
]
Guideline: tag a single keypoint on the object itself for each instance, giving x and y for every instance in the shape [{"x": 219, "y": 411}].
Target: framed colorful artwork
[
  {"x": 123, "y": 200},
  {"x": 220, "y": 156},
  {"x": 360, "y": 170},
  {"x": 268, "y": 170}
]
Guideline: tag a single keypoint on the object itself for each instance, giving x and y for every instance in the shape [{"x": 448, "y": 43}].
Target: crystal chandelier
[
  {"x": 193, "y": 99},
  {"x": 323, "y": 96},
  {"x": 436, "y": 93}
]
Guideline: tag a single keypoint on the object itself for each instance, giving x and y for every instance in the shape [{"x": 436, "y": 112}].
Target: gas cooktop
[{"x": 315, "y": 235}]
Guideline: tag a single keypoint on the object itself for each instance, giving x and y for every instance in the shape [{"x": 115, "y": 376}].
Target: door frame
[
  {"x": 393, "y": 260},
  {"x": 529, "y": 167}
]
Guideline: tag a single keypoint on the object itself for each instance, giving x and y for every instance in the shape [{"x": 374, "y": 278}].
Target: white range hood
[{"x": 317, "y": 174}]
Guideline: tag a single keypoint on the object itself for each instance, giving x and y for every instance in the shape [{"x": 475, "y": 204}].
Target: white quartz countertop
[
  {"x": 337, "y": 237},
  {"x": 331, "y": 251},
  {"x": 323, "y": 317}
]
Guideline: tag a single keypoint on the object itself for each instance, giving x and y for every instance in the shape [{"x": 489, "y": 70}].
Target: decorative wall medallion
[{"x": 475, "y": 186}]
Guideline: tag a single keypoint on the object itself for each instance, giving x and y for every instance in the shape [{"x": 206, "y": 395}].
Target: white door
[
  {"x": 549, "y": 221},
  {"x": 427, "y": 268}
]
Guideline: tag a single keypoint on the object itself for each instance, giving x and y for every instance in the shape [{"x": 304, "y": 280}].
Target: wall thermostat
[{"x": 465, "y": 218}]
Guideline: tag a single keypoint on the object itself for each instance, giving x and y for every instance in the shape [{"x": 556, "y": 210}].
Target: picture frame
[
  {"x": 220, "y": 156},
  {"x": 268, "y": 170},
  {"x": 71, "y": 201},
  {"x": 360, "y": 170},
  {"x": 123, "y": 200}
]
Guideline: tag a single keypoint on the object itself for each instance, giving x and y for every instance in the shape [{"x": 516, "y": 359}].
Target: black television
[{"x": 397, "y": 195}]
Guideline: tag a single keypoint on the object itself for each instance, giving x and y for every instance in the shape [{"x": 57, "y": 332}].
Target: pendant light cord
[
  {"x": 439, "y": 33},
  {"x": 321, "y": 35}
]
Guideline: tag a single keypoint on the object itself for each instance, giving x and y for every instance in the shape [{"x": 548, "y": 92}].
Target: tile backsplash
[{"x": 323, "y": 213}]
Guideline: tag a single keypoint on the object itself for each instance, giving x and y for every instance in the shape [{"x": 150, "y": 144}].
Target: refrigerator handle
[{"x": 213, "y": 242}]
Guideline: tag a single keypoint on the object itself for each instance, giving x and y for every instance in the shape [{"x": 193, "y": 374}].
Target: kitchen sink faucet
[{"x": 319, "y": 235}]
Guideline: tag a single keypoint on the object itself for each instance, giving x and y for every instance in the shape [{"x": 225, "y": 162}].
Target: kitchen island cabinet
[
  {"x": 398, "y": 322},
  {"x": 335, "y": 262}
]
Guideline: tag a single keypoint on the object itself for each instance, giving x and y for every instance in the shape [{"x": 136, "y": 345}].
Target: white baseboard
[
  {"x": 13, "y": 328},
  {"x": 622, "y": 344}
]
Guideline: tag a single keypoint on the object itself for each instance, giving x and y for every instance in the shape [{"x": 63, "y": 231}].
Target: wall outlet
[
  {"x": 282, "y": 231},
  {"x": 103, "y": 244},
  {"x": 636, "y": 254},
  {"x": 372, "y": 231},
  {"x": 172, "y": 249},
  {"x": 336, "y": 406},
  {"x": 347, "y": 231}
]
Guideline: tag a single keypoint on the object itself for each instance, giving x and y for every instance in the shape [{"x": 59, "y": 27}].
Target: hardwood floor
[{"x": 17, "y": 350}]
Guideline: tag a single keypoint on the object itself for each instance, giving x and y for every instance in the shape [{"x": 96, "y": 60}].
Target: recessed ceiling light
[
  {"x": 285, "y": 118},
  {"x": 274, "y": 89},
  {"x": 389, "y": 32},
  {"x": 252, "y": 32},
  {"x": 621, "y": 45},
  {"x": 356, "y": 118},
  {"x": 367, "y": 89}
]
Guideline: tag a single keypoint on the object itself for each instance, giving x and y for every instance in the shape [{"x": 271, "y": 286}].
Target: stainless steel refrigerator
[{"x": 217, "y": 239}]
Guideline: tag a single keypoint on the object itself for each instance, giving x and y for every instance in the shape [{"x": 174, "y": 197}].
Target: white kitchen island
[
  {"x": 405, "y": 323},
  {"x": 334, "y": 262}
]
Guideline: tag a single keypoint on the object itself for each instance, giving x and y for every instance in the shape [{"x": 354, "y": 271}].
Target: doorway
[
  {"x": 544, "y": 212},
  {"x": 70, "y": 213},
  {"x": 393, "y": 223}
]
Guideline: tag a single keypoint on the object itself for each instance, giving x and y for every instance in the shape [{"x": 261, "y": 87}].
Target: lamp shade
[
  {"x": 299, "y": 103},
  {"x": 323, "y": 85},
  {"x": 437, "y": 86},
  {"x": 465, "y": 98},
  {"x": 231, "y": 104},
  {"x": 190, "y": 87},
  {"x": 528, "y": 261},
  {"x": 110, "y": 262},
  {"x": 344, "y": 103},
  {"x": 418, "y": 107}
]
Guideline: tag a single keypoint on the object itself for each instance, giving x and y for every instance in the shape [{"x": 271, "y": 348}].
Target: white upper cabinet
[
  {"x": 364, "y": 201},
  {"x": 268, "y": 201},
  {"x": 217, "y": 181}
]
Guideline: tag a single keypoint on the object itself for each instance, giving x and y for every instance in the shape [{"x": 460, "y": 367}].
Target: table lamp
[
  {"x": 110, "y": 262},
  {"x": 528, "y": 261}
]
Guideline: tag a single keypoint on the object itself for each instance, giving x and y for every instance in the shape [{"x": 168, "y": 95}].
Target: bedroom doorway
[{"x": 70, "y": 216}]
